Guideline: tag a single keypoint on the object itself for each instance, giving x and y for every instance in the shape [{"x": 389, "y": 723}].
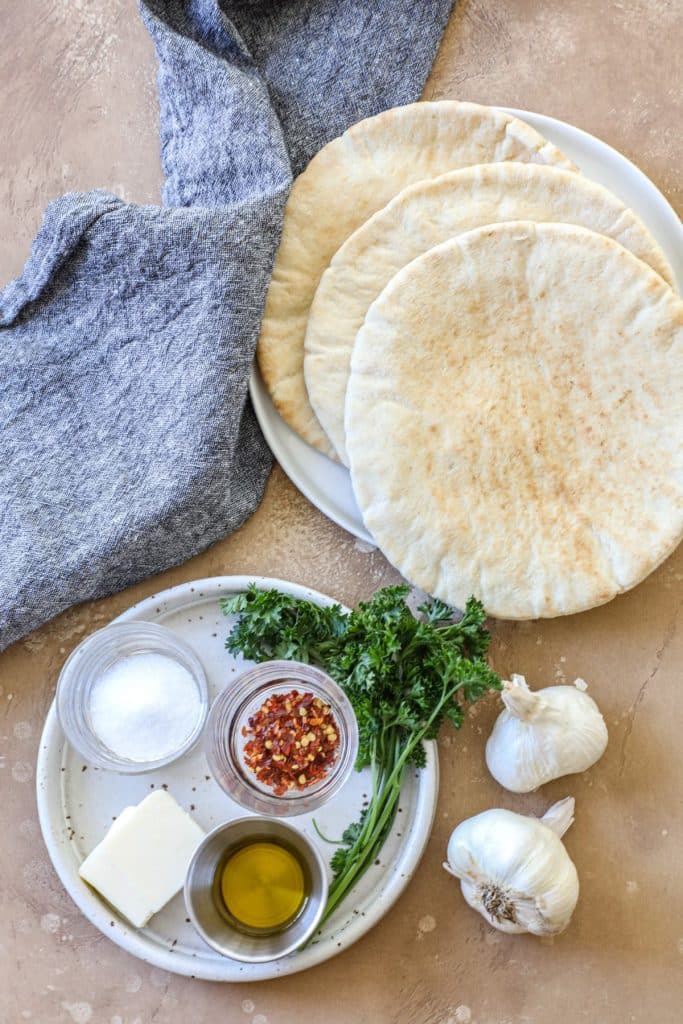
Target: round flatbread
[
  {"x": 424, "y": 215},
  {"x": 514, "y": 419},
  {"x": 344, "y": 184}
]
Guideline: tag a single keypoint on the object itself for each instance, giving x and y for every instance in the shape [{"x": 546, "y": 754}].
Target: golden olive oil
[{"x": 263, "y": 886}]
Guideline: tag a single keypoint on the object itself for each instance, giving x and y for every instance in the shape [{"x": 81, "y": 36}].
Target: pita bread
[
  {"x": 424, "y": 215},
  {"x": 344, "y": 184},
  {"x": 514, "y": 419}
]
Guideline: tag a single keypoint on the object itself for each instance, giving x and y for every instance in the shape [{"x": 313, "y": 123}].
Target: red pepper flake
[{"x": 292, "y": 741}]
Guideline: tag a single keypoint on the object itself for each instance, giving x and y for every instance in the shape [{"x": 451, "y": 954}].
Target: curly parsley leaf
[{"x": 274, "y": 625}]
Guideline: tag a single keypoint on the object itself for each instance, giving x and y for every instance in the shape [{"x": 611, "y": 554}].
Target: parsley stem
[
  {"x": 332, "y": 842},
  {"x": 383, "y": 806}
]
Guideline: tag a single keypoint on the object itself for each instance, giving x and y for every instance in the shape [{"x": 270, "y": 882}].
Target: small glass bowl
[
  {"x": 224, "y": 742},
  {"x": 94, "y": 656}
]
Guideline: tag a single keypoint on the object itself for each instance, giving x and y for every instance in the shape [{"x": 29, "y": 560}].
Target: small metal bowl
[
  {"x": 224, "y": 742},
  {"x": 213, "y": 923}
]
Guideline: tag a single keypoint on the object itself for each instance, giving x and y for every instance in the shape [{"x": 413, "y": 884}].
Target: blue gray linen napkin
[{"x": 127, "y": 441}]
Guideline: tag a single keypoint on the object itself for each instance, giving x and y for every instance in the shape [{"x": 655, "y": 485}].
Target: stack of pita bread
[{"x": 492, "y": 344}]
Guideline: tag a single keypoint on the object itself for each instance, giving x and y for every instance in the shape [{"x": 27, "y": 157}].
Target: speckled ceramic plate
[
  {"x": 328, "y": 484},
  {"x": 76, "y": 805}
]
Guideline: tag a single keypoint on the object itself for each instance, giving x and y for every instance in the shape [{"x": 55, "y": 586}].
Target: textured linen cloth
[{"x": 127, "y": 441}]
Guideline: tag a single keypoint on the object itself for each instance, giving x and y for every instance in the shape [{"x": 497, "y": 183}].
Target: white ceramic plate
[
  {"x": 327, "y": 484},
  {"x": 76, "y": 805}
]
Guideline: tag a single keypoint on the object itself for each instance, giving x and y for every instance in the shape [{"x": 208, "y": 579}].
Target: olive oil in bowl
[
  {"x": 262, "y": 886},
  {"x": 256, "y": 889}
]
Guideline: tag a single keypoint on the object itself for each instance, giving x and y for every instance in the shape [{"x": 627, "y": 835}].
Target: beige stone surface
[{"x": 78, "y": 108}]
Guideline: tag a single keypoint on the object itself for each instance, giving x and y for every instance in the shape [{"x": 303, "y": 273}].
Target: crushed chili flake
[{"x": 292, "y": 741}]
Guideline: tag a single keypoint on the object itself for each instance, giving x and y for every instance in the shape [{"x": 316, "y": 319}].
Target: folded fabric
[{"x": 127, "y": 441}]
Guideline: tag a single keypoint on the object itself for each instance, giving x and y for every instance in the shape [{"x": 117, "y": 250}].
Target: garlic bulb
[
  {"x": 544, "y": 735},
  {"x": 515, "y": 870}
]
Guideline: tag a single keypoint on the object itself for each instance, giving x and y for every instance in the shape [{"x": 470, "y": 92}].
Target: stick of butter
[{"x": 142, "y": 861}]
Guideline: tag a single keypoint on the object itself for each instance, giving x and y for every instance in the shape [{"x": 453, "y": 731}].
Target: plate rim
[
  {"x": 665, "y": 206},
  {"x": 261, "y": 401},
  {"x": 135, "y": 941},
  {"x": 273, "y": 433}
]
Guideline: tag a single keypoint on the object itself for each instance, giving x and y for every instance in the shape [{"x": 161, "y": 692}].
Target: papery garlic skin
[
  {"x": 515, "y": 870},
  {"x": 543, "y": 734}
]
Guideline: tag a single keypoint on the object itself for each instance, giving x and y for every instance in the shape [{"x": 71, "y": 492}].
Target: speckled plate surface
[
  {"x": 76, "y": 805},
  {"x": 327, "y": 484}
]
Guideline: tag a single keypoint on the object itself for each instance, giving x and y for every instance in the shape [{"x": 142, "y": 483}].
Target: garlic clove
[
  {"x": 515, "y": 871},
  {"x": 544, "y": 734}
]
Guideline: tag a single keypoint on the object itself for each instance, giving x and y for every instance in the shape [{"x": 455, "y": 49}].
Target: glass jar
[{"x": 229, "y": 720}]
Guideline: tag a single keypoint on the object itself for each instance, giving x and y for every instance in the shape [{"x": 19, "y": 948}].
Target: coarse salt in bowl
[
  {"x": 229, "y": 731},
  {"x": 132, "y": 697}
]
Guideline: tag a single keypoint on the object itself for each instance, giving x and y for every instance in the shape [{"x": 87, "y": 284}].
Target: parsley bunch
[{"x": 403, "y": 676}]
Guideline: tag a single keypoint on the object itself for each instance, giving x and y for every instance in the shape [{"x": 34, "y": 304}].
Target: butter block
[{"x": 142, "y": 861}]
